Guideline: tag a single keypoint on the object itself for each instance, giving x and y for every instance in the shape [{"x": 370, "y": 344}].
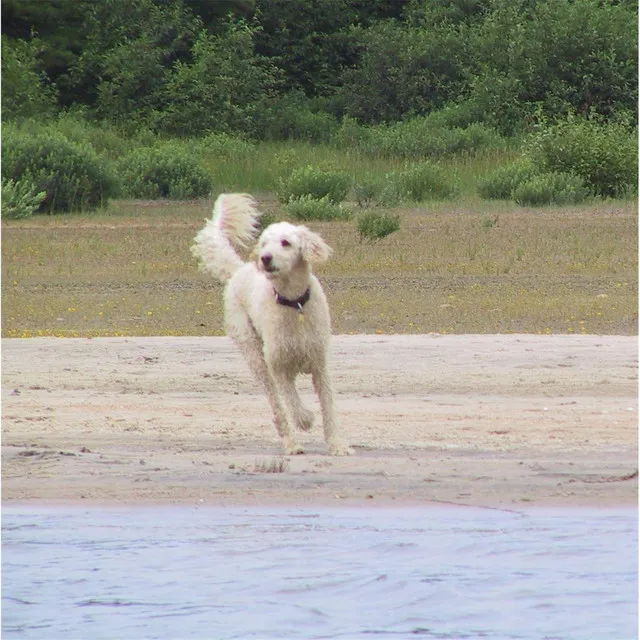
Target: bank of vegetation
[{"x": 322, "y": 102}]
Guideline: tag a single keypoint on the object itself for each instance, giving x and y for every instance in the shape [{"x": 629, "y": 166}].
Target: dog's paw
[
  {"x": 304, "y": 421},
  {"x": 293, "y": 448},
  {"x": 339, "y": 448}
]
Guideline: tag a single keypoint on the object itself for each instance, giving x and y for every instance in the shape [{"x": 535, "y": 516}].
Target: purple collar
[{"x": 296, "y": 304}]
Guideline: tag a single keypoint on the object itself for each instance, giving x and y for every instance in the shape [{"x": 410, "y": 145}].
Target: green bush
[
  {"x": 551, "y": 188},
  {"x": 605, "y": 156},
  {"x": 104, "y": 138},
  {"x": 20, "y": 199},
  {"x": 291, "y": 117},
  {"x": 350, "y": 135},
  {"x": 168, "y": 171},
  {"x": 374, "y": 226},
  {"x": 374, "y": 191},
  {"x": 314, "y": 183},
  {"x": 426, "y": 181},
  {"x": 500, "y": 183},
  {"x": 72, "y": 175},
  {"x": 367, "y": 191},
  {"x": 224, "y": 145},
  {"x": 305, "y": 208},
  {"x": 422, "y": 137}
]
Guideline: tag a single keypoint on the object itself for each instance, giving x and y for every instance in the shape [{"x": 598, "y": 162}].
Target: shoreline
[{"x": 494, "y": 421}]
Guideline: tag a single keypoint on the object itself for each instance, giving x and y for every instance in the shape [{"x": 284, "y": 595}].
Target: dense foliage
[
  {"x": 314, "y": 183},
  {"x": 165, "y": 98},
  {"x": 72, "y": 175},
  {"x": 166, "y": 171},
  {"x": 373, "y": 225},
  {"x": 273, "y": 69}
]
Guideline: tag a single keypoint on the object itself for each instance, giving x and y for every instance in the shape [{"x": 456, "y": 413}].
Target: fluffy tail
[{"x": 234, "y": 222}]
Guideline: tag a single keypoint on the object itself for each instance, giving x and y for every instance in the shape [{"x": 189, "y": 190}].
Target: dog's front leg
[
  {"x": 291, "y": 446},
  {"x": 286, "y": 386},
  {"x": 322, "y": 385},
  {"x": 252, "y": 350}
]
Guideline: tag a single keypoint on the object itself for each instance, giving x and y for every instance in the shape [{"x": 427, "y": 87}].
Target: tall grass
[
  {"x": 235, "y": 164},
  {"x": 260, "y": 170}
]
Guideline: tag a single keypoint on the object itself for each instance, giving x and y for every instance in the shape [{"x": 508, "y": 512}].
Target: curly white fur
[{"x": 277, "y": 342}]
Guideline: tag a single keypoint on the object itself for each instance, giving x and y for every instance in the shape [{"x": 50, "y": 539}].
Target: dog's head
[{"x": 282, "y": 247}]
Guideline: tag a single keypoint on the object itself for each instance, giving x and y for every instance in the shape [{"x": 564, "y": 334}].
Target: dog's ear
[{"x": 312, "y": 247}]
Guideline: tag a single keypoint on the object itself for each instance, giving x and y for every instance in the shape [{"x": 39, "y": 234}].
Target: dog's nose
[{"x": 266, "y": 259}]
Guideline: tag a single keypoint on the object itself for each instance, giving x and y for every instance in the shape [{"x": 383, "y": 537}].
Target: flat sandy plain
[{"x": 492, "y": 420}]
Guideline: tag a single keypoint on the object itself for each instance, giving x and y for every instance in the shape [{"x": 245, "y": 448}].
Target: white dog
[{"x": 275, "y": 309}]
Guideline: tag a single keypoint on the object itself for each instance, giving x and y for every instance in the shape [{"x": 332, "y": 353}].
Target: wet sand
[{"x": 485, "y": 420}]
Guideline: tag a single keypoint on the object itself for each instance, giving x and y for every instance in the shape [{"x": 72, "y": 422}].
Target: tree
[
  {"x": 404, "y": 72},
  {"x": 26, "y": 90},
  {"x": 130, "y": 50},
  {"x": 554, "y": 57},
  {"x": 224, "y": 89},
  {"x": 308, "y": 39}
]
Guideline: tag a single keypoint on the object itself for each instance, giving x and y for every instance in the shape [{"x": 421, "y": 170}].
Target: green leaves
[
  {"x": 20, "y": 199},
  {"x": 167, "y": 171},
  {"x": 314, "y": 183},
  {"x": 373, "y": 225},
  {"x": 604, "y": 155},
  {"x": 71, "y": 174}
]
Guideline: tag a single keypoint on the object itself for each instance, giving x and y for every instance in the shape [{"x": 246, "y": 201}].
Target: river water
[{"x": 272, "y": 573}]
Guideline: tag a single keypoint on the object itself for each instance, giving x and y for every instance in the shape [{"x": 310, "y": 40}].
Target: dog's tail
[{"x": 234, "y": 222}]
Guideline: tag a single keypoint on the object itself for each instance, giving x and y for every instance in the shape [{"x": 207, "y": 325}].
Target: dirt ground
[{"x": 492, "y": 420}]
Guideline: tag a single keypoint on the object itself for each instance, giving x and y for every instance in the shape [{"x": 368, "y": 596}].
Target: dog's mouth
[{"x": 270, "y": 269}]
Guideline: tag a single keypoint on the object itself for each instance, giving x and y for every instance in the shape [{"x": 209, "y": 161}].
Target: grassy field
[{"x": 464, "y": 267}]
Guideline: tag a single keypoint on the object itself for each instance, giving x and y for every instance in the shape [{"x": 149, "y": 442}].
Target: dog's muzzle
[{"x": 267, "y": 263}]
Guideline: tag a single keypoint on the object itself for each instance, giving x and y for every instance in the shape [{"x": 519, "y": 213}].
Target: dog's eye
[{"x": 285, "y": 243}]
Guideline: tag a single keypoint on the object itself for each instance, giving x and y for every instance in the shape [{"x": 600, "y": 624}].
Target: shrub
[
  {"x": 425, "y": 137},
  {"x": 605, "y": 156},
  {"x": 314, "y": 183},
  {"x": 224, "y": 145},
  {"x": 291, "y": 117},
  {"x": 20, "y": 199},
  {"x": 351, "y": 135},
  {"x": 426, "y": 181},
  {"x": 500, "y": 183},
  {"x": 373, "y": 191},
  {"x": 72, "y": 175},
  {"x": 367, "y": 191},
  {"x": 305, "y": 208},
  {"x": 168, "y": 171},
  {"x": 418, "y": 138},
  {"x": 551, "y": 188},
  {"x": 389, "y": 194},
  {"x": 374, "y": 226},
  {"x": 104, "y": 138}
]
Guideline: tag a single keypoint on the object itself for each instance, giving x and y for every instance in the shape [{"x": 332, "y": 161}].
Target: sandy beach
[{"x": 490, "y": 420}]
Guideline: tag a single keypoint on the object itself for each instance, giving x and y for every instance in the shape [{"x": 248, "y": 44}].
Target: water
[{"x": 221, "y": 573}]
